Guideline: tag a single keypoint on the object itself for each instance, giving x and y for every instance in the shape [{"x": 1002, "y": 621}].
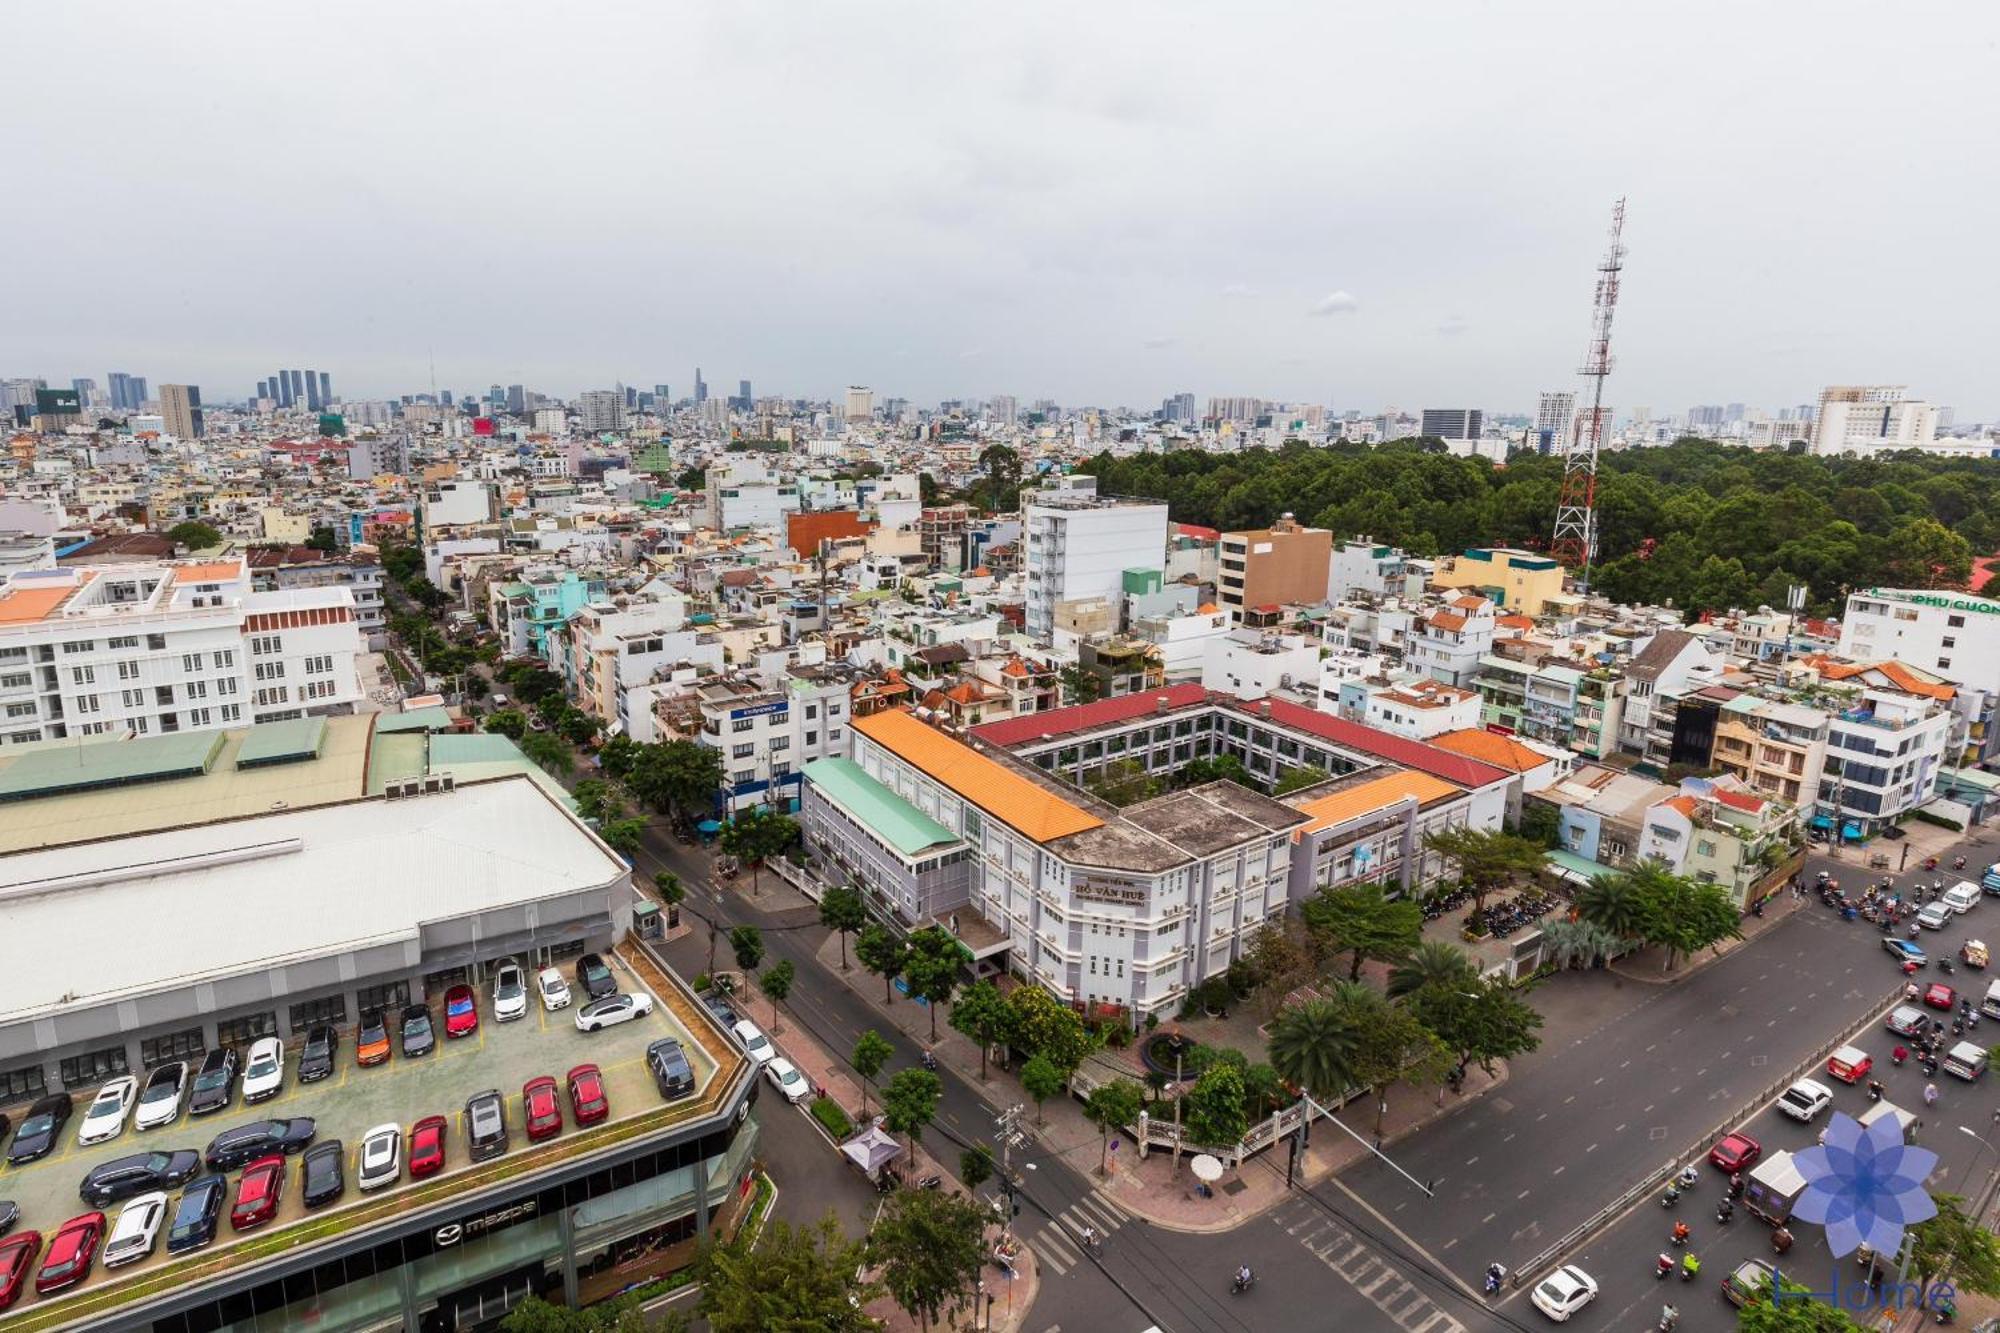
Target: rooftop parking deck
[{"x": 501, "y": 1056}]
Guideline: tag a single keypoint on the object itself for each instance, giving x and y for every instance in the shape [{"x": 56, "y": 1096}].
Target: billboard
[
  {"x": 48, "y": 402},
  {"x": 482, "y": 425}
]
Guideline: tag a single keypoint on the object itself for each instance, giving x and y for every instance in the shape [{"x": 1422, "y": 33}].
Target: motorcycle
[
  {"x": 930, "y": 1182},
  {"x": 1944, "y": 966},
  {"x": 1724, "y": 1211},
  {"x": 1241, "y": 1283},
  {"x": 1664, "y": 1267},
  {"x": 1668, "y": 1319},
  {"x": 930, "y": 1062},
  {"x": 1671, "y": 1197},
  {"x": 1495, "y": 1275}
]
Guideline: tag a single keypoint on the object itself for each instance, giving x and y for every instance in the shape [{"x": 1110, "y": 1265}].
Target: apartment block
[{"x": 1283, "y": 564}]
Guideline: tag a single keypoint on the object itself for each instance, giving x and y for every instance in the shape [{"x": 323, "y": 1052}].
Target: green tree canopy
[
  {"x": 776, "y": 983},
  {"x": 909, "y": 1101},
  {"x": 930, "y": 1246},
  {"x": 756, "y": 835},
  {"x": 1314, "y": 1045},
  {"x": 1298, "y": 779},
  {"x": 1111, "y": 1106},
  {"x": 871, "y": 1052},
  {"x": 1212, "y": 1112},
  {"x": 1362, "y": 921},
  {"x": 796, "y": 1279},
  {"x": 1482, "y": 1020},
  {"x": 1041, "y": 1078},
  {"x": 842, "y": 911},
  {"x": 1952, "y": 1247},
  {"x": 193, "y": 535},
  {"x": 881, "y": 952},
  {"x": 747, "y": 942},
  {"x": 981, "y": 1013},
  {"x": 932, "y": 966},
  {"x": 1432, "y": 963},
  {"x": 1488, "y": 861},
  {"x": 1044, "y": 1025}
]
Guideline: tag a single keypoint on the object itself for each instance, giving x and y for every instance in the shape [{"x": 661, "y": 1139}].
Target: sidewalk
[{"x": 1160, "y": 1188}]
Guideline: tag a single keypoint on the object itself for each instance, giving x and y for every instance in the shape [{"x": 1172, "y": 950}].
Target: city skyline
[{"x": 1087, "y": 209}]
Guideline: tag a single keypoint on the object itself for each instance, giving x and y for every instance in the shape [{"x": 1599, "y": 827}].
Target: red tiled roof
[
  {"x": 1354, "y": 736},
  {"x": 1195, "y": 530},
  {"x": 1083, "y": 717},
  {"x": 1739, "y": 800}
]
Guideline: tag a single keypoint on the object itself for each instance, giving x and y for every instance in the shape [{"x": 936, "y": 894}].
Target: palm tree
[
  {"x": 1570, "y": 943},
  {"x": 1615, "y": 904},
  {"x": 1432, "y": 963},
  {"x": 1314, "y": 1046}
]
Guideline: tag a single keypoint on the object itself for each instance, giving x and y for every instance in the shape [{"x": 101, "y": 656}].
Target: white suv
[{"x": 264, "y": 1075}]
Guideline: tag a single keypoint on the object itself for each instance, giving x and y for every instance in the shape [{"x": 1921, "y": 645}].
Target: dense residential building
[
  {"x": 1281, "y": 564},
  {"x": 1953, "y": 634},
  {"x": 1519, "y": 582},
  {"x": 1079, "y": 546},
  {"x": 180, "y": 405},
  {"x": 1718, "y": 833}
]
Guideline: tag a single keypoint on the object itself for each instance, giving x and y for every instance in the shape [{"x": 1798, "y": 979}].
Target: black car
[
  {"x": 123, "y": 1177},
  {"x": 316, "y": 1056},
  {"x": 195, "y": 1216},
  {"x": 215, "y": 1086},
  {"x": 594, "y": 978},
  {"x": 260, "y": 1138},
  {"x": 38, "y": 1133},
  {"x": 325, "y": 1169},
  {"x": 10, "y": 1213},
  {"x": 720, "y": 1008},
  {"x": 486, "y": 1125},
  {"x": 419, "y": 1037},
  {"x": 670, "y": 1067}
]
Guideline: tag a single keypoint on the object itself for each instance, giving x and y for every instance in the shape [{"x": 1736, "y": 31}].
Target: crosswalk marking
[
  {"x": 1059, "y": 1244},
  {"x": 1385, "y": 1287}
]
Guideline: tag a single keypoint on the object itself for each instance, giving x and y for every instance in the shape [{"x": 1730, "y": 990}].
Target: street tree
[
  {"x": 975, "y": 1167},
  {"x": 882, "y": 953},
  {"x": 776, "y": 983},
  {"x": 981, "y": 1013},
  {"x": 546, "y": 752},
  {"x": 624, "y": 834},
  {"x": 1431, "y": 963},
  {"x": 794, "y": 1278},
  {"x": 509, "y": 722},
  {"x": 1684, "y": 914},
  {"x": 1487, "y": 860},
  {"x": 842, "y": 911},
  {"x": 1364, "y": 922},
  {"x": 747, "y": 942},
  {"x": 1314, "y": 1045},
  {"x": 755, "y": 836},
  {"x": 871, "y": 1052},
  {"x": 676, "y": 775},
  {"x": 1395, "y": 1047},
  {"x": 536, "y": 1315},
  {"x": 1614, "y": 903},
  {"x": 1112, "y": 1106},
  {"x": 909, "y": 1101},
  {"x": 672, "y": 892},
  {"x": 1795, "y": 1314},
  {"x": 931, "y": 968},
  {"x": 1212, "y": 1112},
  {"x": 1952, "y": 1247},
  {"x": 1041, "y": 1079},
  {"x": 1044, "y": 1025},
  {"x": 1483, "y": 1020},
  {"x": 930, "y": 1247}
]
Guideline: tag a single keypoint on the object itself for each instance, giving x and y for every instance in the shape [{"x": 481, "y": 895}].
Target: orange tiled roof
[
  {"x": 1903, "y": 676},
  {"x": 24, "y": 603},
  {"x": 1684, "y": 804},
  {"x": 1341, "y": 806},
  {"x": 214, "y": 572},
  {"x": 1447, "y": 620},
  {"x": 1739, "y": 800},
  {"x": 1490, "y": 747},
  {"x": 1516, "y": 622},
  {"x": 1000, "y": 792}
]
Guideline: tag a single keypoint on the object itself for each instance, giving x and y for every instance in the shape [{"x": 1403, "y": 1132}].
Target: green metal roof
[
  {"x": 1578, "y": 865},
  {"x": 282, "y": 742},
  {"x": 68, "y": 768},
  {"x": 898, "y": 823},
  {"x": 417, "y": 719}
]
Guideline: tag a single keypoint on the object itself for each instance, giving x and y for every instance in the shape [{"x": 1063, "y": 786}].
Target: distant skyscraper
[
  {"x": 517, "y": 399},
  {"x": 1452, "y": 423},
  {"x": 85, "y": 391},
  {"x": 860, "y": 402},
  {"x": 325, "y": 389},
  {"x": 263, "y": 389},
  {"x": 700, "y": 388},
  {"x": 281, "y": 389},
  {"x": 1002, "y": 409},
  {"x": 444, "y": 397},
  {"x": 180, "y": 404},
  {"x": 661, "y": 398},
  {"x": 313, "y": 401},
  {"x": 119, "y": 385},
  {"x": 601, "y": 409},
  {"x": 743, "y": 394},
  {"x": 1552, "y": 422}
]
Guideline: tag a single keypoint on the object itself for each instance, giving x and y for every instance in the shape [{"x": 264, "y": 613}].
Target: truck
[
  {"x": 1888, "y": 1110},
  {"x": 1990, "y": 881},
  {"x": 1775, "y": 1185}
]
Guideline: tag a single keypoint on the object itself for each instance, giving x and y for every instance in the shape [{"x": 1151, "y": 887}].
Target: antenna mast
[{"x": 1575, "y": 538}]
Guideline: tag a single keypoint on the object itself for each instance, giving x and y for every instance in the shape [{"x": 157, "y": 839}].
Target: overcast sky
[{"x": 1360, "y": 205}]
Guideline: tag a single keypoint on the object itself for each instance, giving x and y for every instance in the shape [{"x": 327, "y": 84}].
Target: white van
[
  {"x": 1967, "y": 1060},
  {"x": 1961, "y": 897},
  {"x": 1990, "y": 1006}
]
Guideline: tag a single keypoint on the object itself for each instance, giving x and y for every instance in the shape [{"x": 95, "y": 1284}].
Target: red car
[
  {"x": 17, "y": 1255},
  {"x": 541, "y": 1108},
  {"x": 461, "y": 1012},
  {"x": 1736, "y": 1152},
  {"x": 1940, "y": 996},
  {"x": 587, "y": 1103},
  {"x": 70, "y": 1254},
  {"x": 427, "y": 1147},
  {"x": 258, "y": 1192}
]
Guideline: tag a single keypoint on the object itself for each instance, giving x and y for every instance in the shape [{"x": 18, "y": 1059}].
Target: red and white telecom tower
[{"x": 1575, "y": 538}]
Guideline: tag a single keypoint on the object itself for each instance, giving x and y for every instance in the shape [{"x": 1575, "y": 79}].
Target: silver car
[
  {"x": 613, "y": 1009},
  {"x": 137, "y": 1230}
]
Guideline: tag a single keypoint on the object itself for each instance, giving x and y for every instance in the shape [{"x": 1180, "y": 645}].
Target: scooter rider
[
  {"x": 1680, "y": 1236},
  {"x": 1690, "y": 1267},
  {"x": 1244, "y": 1277},
  {"x": 1495, "y": 1275}
]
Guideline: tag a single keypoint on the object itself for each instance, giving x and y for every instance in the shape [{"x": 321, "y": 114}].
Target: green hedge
[{"x": 828, "y": 1113}]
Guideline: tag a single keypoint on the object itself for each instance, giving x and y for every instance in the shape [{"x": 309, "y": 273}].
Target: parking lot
[{"x": 344, "y": 1106}]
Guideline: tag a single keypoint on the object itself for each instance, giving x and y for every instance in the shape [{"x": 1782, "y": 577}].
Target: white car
[
  {"x": 105, "y": 1120},
  {"x": 555, "y": 991},
  {"x": 160, "y": 1101},
  {"x": 510, "y": 991},
  {"x": 264, "y": 1075},
  {"x": 613, "y": 1009},
  {"x": 137, "y": 1229},
  {"x": 1564, "y": 1292},
  {"x": 787, "y": 1079},
  {"x": 381, "y": 1157},
  {"x": 1805, "y": 1099},
  {"x": 1935, "y": 916},
  {"x": 754, "y": 1041}
]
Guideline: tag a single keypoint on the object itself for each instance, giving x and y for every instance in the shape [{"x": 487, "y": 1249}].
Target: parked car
[
  {"x": 258, "y": 1193},
  {"x": 215, "y": 1086},
  {"x": 71, "y": 1253},
  {"x": 316, "y": 1057},
  {"x": 323, "y": 1173},
  {"x": 486, "y": 1125},
  {"x": 37, "y": 1134},
  {"x": 554, "y": 990},
  {"x": 136, "y": 1231},
  {"x": 671, "y": 1070},
  {"x": 260, "y": 1138},
  {"x": 461, "y": 1012},
  {"x": 264, "y": 1075},
  {"x": 160, "y": 1100},
  {"x": 381, "y": 1158},
  {"x": 1564, "y": 1292},
  {"x": 419, "y": 1039},
  {"x": 541, "y": 1108},
  {"x": 754, "y": 1041},
  {"x": 197, "y": 1214},
  {"x": 720, "y": 1007},
  {"x": 587, "y": 1102},
  {"x": 510, "y": 991},
  {"x": 104, "y": 1118},
  {"x": 1805, "y": 1099},
  {"x": 613, "y": 1010},
  {"x": 593, "y": 978},
  {"x": 371, "y": 1041},
  {"x": 10, "y": 1213},
  {"x": 427, "y": 1146},
  {"x": 123, "y": 1177},
  {"x": 787, "y": 1079},
  {"x": 1735, "y": 1152},
  {"x": 17, "y": 1256}
]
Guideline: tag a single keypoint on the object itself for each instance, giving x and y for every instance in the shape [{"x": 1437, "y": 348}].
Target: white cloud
[
  {"x": 1336, "y": 303},
  {"x": 1452, "y": 327},
  {"x": 1158, "y": 342},
  {"x": 1239, "y": 289}
]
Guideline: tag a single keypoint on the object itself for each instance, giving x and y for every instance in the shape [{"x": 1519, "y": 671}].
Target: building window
[
  {"x": 128, "y": 671},
  {"x": 24, "y": 1084},
  {"x": 156, "y": 642},
  {"x": 124, "y": 641},
  {"x": 79, "y": 645},
  {"x": 1955, "y": 622},
  {"x": 186, "y": 1044},
  {"x": 94, "y": 1066},
  {"x": 225, "y": 657},
  {"x": 190, "y": 661},
  {"x": 83, "y": 675},
  {"x": 242, "y": 1031},
  {"x": 389, "y": 995},
  {"x": 197, "y": 689}
]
